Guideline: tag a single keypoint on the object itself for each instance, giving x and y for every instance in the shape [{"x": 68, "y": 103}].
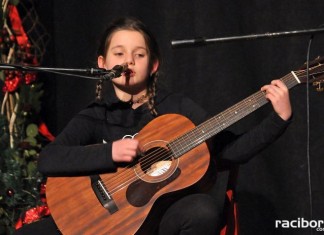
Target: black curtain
[{"x": 284, "y": 181}]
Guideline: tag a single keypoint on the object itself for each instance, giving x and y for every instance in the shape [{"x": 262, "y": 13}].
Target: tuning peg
[{"x": 319, "y": 87}]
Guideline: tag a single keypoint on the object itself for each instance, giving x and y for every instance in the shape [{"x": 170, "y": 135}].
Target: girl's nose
[{"x": 130, "y": 60}]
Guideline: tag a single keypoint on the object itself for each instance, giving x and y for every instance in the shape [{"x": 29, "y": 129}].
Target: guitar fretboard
[{"x": 221, "y": 121}]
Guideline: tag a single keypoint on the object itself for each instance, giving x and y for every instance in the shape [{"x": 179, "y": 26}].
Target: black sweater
[{"x": 85, "y": 145}]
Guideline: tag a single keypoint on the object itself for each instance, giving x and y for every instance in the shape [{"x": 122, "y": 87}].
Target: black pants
[{"x": 191, "y": 215}]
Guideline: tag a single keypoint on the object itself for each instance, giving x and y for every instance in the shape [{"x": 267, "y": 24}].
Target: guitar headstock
[{"x": 316, "y": 73}]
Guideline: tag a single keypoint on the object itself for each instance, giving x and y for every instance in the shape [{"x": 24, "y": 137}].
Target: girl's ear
[
  {"x": 101, "y": 62},
  {"x": 155, "y": 67}
]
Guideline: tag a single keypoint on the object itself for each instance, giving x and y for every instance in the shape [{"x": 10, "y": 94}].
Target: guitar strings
[
  {"x": 128, "y": 175},
  {"x": 156, "y": 154}
]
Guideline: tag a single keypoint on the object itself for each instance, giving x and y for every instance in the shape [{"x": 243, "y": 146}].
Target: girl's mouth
[{"x": 129, "y": 73}]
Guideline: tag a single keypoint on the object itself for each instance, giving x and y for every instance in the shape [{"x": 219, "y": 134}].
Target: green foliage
[
  {"x": 14, "y": 2},
  {"x": 31, "y": 97},
  {"x": 19, "y": 179},
  {"x": 19, "y": 148}
]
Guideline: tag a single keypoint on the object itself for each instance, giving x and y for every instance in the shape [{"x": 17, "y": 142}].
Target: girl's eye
[{"x": 118, "y": 54}]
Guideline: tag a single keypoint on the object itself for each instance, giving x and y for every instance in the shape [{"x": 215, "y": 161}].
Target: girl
[{"x": 95, "y": 141}]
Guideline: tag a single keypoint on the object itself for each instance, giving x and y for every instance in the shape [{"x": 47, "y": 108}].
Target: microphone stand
[
  {"x": 75, "y": 72},
  {"x": 203, "y": 41}
]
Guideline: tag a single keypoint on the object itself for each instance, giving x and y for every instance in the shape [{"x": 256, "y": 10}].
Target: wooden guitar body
[{"x": 75, "y": 206}]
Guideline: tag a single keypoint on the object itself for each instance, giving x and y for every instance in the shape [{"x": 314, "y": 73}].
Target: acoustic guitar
[{"x": 174, "y": 158}]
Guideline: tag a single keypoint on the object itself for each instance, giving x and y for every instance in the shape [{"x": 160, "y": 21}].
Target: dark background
[{"x": 284, "y": 181}]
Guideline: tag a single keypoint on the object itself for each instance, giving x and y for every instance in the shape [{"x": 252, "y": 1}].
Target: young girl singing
[{"x": 100, "y": 138}]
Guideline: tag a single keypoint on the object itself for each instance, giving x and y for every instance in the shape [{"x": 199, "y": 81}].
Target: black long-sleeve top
[{"x": 85, "y": 145}]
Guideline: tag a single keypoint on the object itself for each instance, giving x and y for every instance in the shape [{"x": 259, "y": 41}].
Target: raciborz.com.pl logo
[{"x": 300, "y": 223}]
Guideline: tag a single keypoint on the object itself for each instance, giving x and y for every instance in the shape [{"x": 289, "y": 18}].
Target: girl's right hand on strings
[{"x": 125, "y": 150}]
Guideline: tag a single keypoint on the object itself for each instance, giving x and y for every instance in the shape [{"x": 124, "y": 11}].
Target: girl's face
[{"x": 127, "y": 46}]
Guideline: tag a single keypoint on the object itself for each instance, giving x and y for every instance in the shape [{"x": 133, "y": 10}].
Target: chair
[{"x": 231, "y": 211}]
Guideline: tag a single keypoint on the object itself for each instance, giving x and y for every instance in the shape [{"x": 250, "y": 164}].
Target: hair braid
[
  {"x": 151, "y": 92},
  {"x": 99, "y": 90}
]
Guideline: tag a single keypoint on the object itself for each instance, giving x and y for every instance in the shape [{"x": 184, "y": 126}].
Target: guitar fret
[{"x": 178, "y": 144}]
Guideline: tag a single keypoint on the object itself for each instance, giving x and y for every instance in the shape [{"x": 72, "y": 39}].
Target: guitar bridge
[{"x": 103, "y": 194}]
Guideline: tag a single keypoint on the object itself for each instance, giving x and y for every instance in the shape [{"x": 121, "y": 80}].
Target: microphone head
[
  {"x": 115, "y": 72},
  {"x": 121, "y": 68}
]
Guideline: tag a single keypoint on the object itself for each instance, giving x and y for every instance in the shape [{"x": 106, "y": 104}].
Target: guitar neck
[{"x": 221, "y": 121}]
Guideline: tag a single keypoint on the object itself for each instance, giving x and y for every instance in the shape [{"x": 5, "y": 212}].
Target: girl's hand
[
  {"x": 124, "y": 150},
  {"x": 278, "y": 94}
]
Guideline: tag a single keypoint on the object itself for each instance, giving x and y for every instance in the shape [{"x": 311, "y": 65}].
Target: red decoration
[
  {"x": 14, "y": 79},
  {"x": 32, "y": 215},
  {"x": 16, "y": 24},
  {"x": 11, "y": 84},
  {"x": 36, "y": 213},
  {"x": 42, "y": 128},
  {"x": 30, "y": 78},
  {"x": 24, "y": 53}
]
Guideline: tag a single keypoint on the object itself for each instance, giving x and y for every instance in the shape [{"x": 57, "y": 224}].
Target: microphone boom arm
[{"x": 203, "y": 41}]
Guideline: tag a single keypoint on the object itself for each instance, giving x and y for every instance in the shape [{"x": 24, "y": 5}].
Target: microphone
[{"x": 115, "y": 72}]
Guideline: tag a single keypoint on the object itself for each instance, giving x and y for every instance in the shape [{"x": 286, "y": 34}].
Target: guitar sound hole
[{"x": 156, "y": 161}]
